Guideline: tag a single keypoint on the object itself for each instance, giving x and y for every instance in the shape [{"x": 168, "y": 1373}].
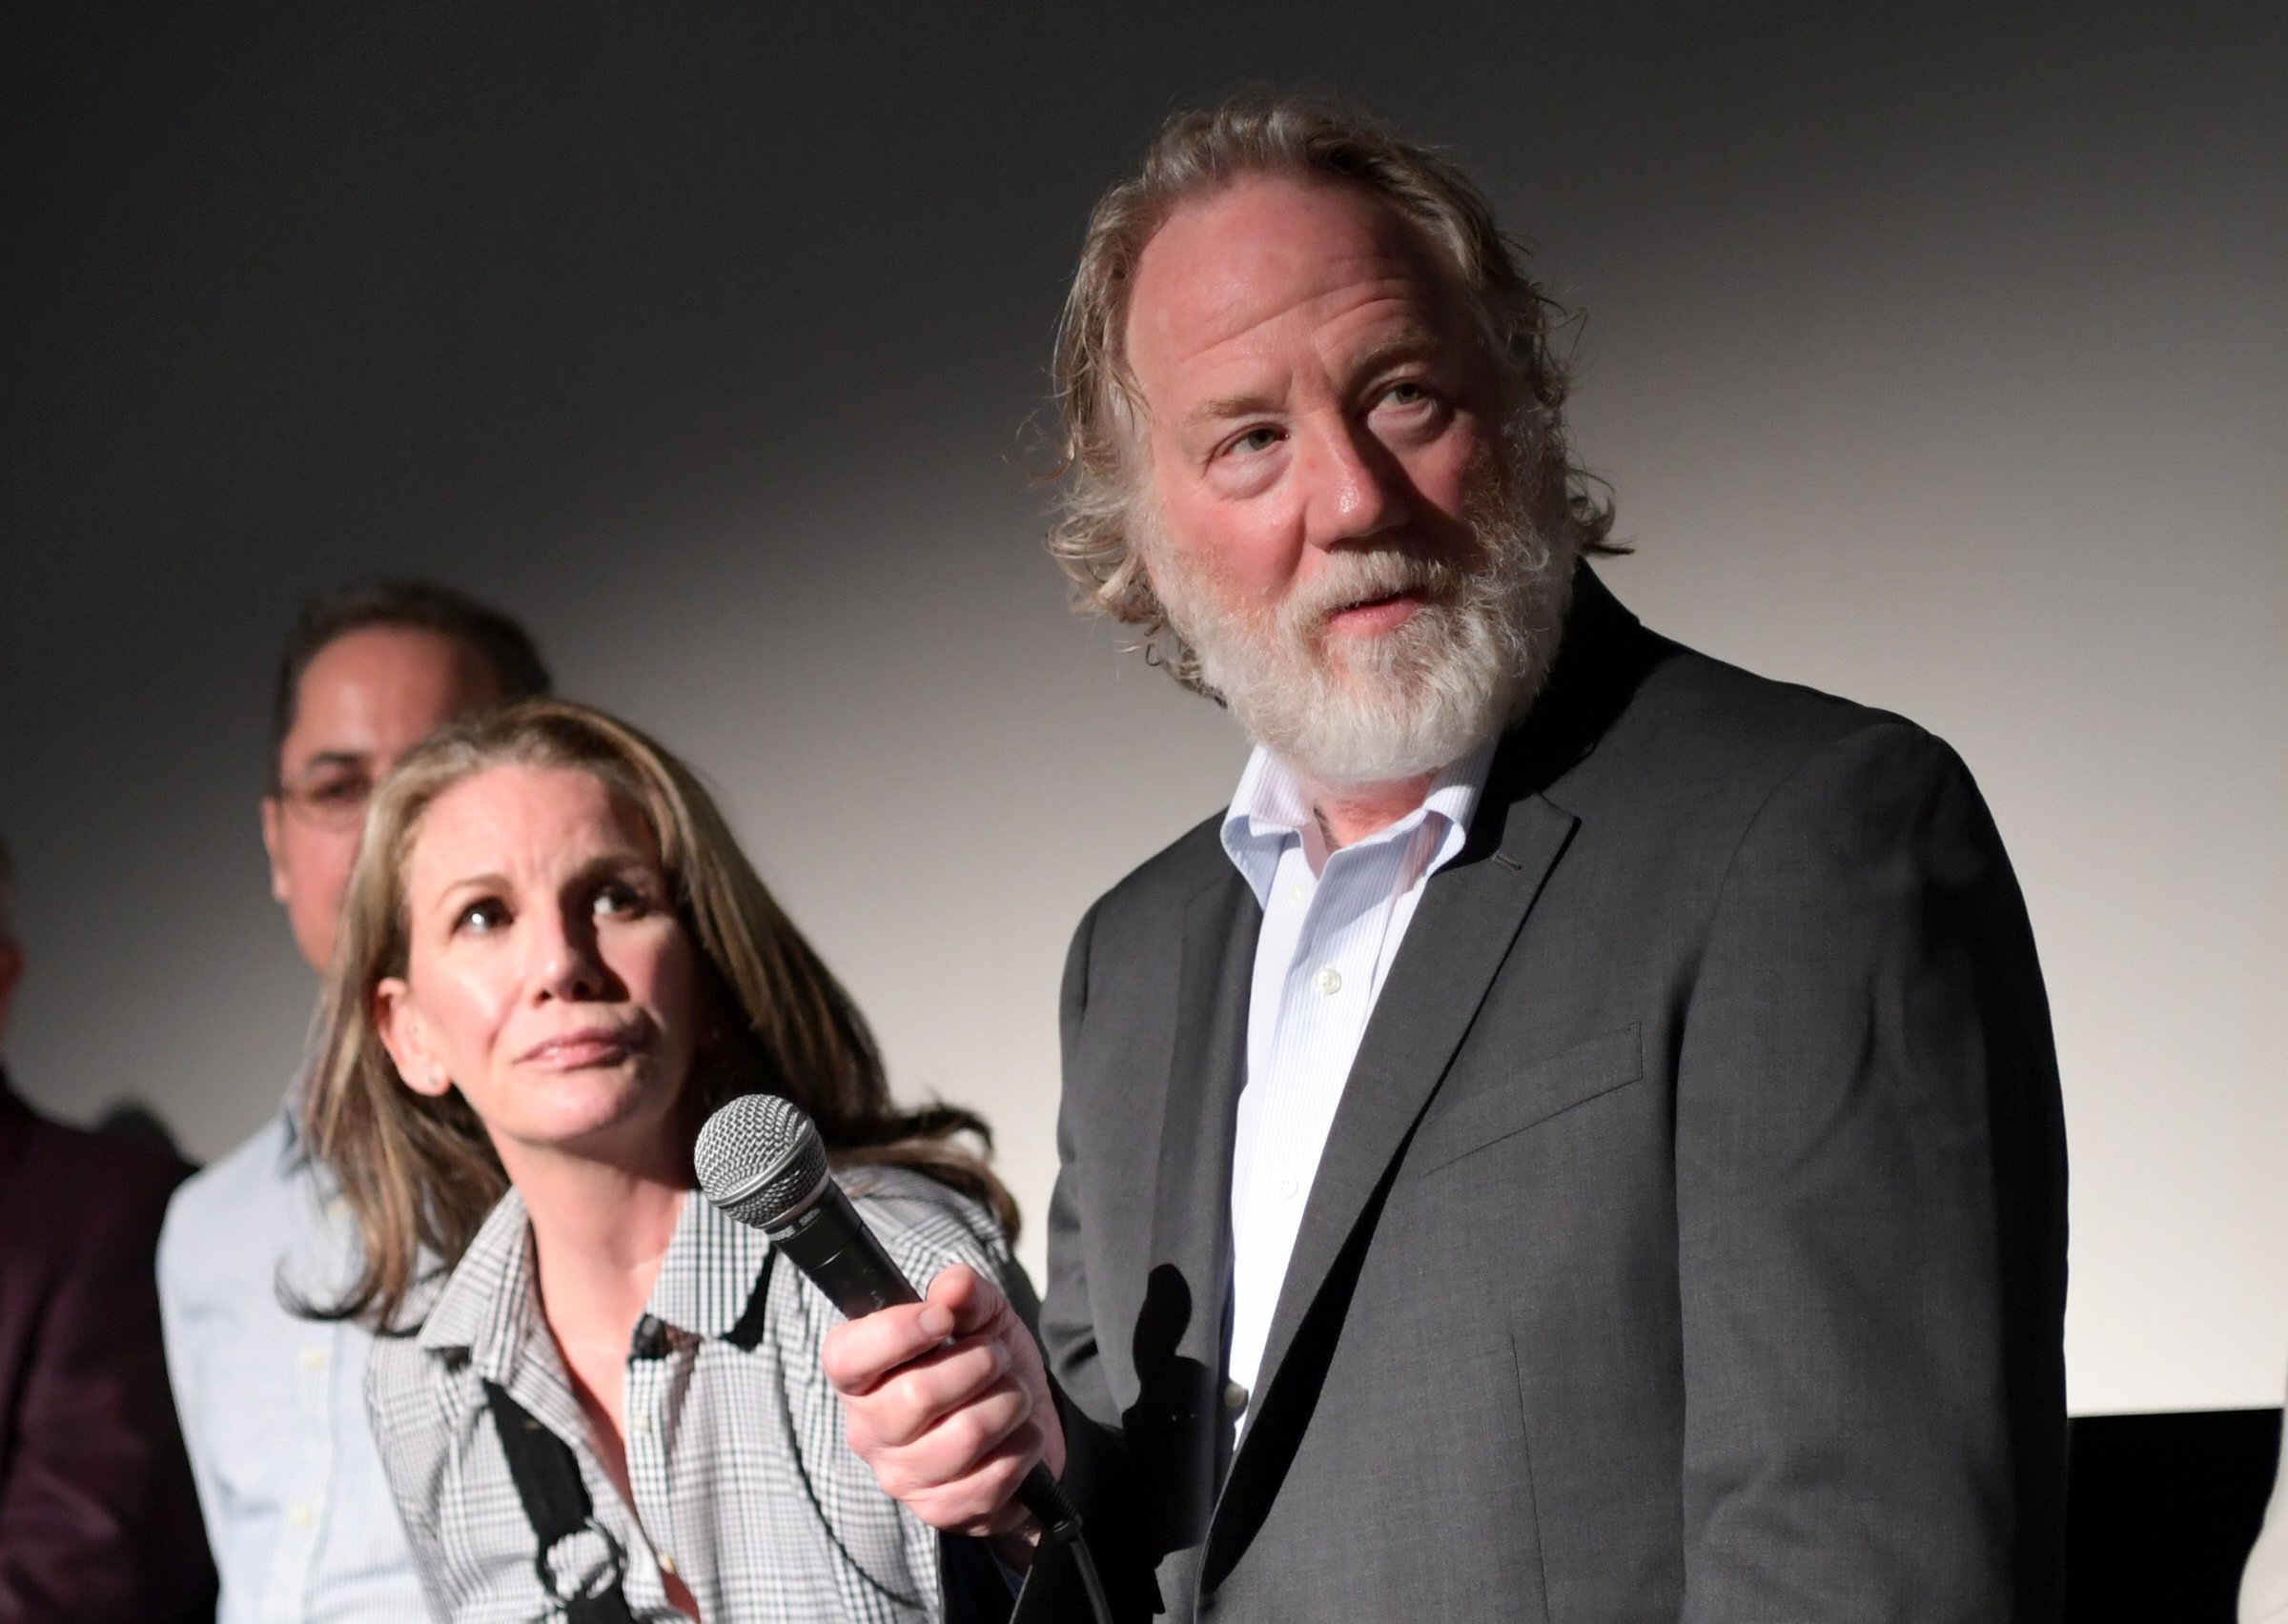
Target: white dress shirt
[
  {"x": 1332, "y": 926},
  {"x": 272, "y": 1405}
]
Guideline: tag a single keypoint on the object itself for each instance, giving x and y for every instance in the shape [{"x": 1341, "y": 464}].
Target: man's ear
[
  {"x": 402, "y": 1033},
  {"x": 272, "y": 812}
]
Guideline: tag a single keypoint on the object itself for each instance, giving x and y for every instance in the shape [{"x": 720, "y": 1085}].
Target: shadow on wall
[
  {"x": 135, "y": 1121},
  {"x": 2161, "y": 1511}
]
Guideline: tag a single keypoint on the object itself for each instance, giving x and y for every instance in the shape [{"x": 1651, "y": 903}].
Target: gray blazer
[{"x": 1690, "y": 1239}]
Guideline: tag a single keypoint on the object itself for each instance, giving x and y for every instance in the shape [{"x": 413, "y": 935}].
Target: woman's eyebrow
[{"x": 474, "y": 883}]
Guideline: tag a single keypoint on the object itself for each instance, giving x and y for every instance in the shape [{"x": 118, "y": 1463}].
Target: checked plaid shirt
[{"x": 744, "y": 1486}]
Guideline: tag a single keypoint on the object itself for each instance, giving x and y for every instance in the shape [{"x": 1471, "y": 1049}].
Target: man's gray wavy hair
[{"x": 1195, "y": 154}]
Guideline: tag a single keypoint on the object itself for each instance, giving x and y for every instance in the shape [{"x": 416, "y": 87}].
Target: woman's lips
[{"x": 593, "y": 1046}]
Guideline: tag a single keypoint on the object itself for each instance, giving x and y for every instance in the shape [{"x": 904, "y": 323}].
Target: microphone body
[
  {"x": 761, "y": 1161},
  {"x": 842, "y": 1257}
]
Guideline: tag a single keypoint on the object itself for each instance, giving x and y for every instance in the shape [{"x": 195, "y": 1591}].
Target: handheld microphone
[{"x": 761, "y": 1161}]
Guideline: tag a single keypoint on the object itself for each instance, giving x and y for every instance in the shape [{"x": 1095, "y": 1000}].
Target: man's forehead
[
  {"x": 1224, "y": 267},
  {"x": 365, "y": 688}
]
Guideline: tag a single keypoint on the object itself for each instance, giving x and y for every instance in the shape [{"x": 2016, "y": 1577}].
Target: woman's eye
[
  {"x": 481, "y": 916},
  {"x": 619, "y": 898}
]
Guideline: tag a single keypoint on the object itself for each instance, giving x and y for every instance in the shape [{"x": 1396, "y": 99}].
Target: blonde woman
[{"x": 601, "y": 1401}]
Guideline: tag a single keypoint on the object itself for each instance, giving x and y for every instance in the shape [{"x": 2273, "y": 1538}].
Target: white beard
[{"x": 1346, "y": 713}]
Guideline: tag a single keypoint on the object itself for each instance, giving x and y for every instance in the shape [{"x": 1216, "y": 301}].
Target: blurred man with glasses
[{"x": 273, "y": 1404}]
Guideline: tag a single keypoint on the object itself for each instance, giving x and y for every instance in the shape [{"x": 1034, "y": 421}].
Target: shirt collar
[
  {"x": 485, "y": 1307},
  {"x": 711, "y": 1272},
  {"x": 1269, "y": 809},
  {"x": 489, "y": 1306},
  {"x": 293, "y": 1151}
]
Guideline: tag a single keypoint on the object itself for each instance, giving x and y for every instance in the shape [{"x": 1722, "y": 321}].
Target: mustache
[{"x": 1352, "y": 578}]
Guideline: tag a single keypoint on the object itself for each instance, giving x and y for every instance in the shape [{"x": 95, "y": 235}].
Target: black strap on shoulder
[{"x": 556, "y": 1502}]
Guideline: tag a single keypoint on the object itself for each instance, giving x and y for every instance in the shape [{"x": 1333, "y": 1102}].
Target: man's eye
[
  {"x": 339, "y": 792},
  {"x": 1253, "y": 441},
  {"x": 1406, "y": 393}
]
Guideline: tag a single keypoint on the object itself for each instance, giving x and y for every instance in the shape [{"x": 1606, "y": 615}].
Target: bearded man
[{"x": 1579, "y": 1139}]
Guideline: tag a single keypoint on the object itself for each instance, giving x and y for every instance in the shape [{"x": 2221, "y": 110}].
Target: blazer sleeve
[
  {"x": 98, "y": 1519},
  {"x": 1871, "y": 1212}
]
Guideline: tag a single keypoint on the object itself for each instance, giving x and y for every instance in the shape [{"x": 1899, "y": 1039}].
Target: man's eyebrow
[
  {"x": 1415, "y": 342},
  {"x": 326, "y": 760},
  {"x": 1223, "y": 408}
]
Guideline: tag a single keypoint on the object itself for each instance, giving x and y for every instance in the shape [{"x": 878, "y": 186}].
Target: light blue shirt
[
  {"x": 273, "y": 1406},
  {"x": 1332, "y": 926}
]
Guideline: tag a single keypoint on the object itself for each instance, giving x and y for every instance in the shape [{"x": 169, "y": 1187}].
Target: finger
[
  {"x": 923, "y": 1393},
  {"x": 983, "y": 1500},
  {"x": 961, "y": 1301},
  {"x": 951, "y": 1448},
  {"x": 860, "y": 1354}
]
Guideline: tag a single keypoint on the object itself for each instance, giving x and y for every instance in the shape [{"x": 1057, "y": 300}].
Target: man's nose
[{"x": 1354, "y": 487}]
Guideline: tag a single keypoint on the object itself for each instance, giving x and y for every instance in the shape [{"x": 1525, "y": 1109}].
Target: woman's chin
[{"x": 618, "y": 1125}]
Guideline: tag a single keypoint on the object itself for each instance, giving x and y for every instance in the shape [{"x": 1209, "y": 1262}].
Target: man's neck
[{"x": 1356, "y": 810}]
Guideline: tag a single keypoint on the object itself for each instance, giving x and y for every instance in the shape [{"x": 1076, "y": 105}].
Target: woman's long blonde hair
[{"x": 419, "y": 1173}]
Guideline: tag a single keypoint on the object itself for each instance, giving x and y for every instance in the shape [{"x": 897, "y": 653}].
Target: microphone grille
[{"x": 759, "y": 1158}]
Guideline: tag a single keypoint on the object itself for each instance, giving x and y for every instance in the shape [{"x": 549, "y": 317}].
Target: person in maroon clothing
[{"x": 98, "y": 1519}]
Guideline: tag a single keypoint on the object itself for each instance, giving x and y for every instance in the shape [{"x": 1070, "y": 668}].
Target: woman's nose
[{"x": 570, "y": 965}]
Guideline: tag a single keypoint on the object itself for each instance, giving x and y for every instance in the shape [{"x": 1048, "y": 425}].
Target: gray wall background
[{"x": 1937, "y": 359}]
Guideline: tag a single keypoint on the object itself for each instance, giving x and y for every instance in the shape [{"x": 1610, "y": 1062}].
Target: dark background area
[{"x": 1937, "y": 355}]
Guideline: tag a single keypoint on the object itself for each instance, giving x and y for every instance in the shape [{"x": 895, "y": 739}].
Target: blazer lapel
[
  {"x": 1192, "y": 1216},
  {"x": 1469, "y": 915},
  {"x": 1178, "y": 1421}
]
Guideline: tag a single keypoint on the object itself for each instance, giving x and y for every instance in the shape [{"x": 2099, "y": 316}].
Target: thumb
[{"x": 961, "y": 1301}]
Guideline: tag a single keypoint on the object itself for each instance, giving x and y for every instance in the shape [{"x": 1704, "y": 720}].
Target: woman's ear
[{"x": 401, "y": 1031}]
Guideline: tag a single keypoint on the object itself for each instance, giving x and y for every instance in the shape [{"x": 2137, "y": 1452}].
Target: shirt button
[
  {"x": 644, "y": 1425},
  {"x": 1235, "y": 1397},
  {"x": 301, "y": 1515},
  {"x": 1286, "y": 1187},
  {"x": 314, "y": 1358},
  {"x": 666, "y": 1563},
  {"x": 1328, "y": 981},
  {"x": 1297, "y": 894}
]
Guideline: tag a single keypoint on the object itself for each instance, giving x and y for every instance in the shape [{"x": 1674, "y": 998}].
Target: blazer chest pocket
[{"x": 1513, "y": 1100}]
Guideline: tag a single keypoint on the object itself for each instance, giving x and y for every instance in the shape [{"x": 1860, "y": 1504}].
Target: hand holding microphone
[{"x": 946, "y": 1397}]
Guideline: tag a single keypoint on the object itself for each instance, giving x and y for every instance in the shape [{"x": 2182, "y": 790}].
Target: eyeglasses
[{"x": 328, "y": 800}]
